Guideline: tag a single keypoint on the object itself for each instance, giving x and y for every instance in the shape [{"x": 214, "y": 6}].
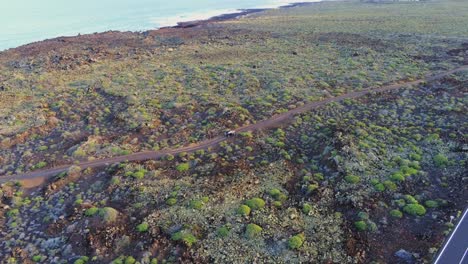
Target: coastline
[{"x": 237, "y": 14}]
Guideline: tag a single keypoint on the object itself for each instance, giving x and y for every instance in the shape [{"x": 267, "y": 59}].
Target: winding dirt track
[{"x": 37, "y": 177}]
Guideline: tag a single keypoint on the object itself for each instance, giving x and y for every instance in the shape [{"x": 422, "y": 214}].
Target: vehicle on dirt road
[{"x": 230, "y": 133}]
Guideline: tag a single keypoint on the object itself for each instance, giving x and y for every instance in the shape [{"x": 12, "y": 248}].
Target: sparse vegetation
[{"x": 341, "y": 182}]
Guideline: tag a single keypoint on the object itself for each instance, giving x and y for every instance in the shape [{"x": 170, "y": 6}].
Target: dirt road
[{"x": 37, "y": 177}]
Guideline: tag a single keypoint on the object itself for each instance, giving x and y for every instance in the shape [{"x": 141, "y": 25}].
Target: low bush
[
  {"x": 109, "y": 214},
  {"x": 352, "y": 179},
  {"x": 306, "y": 208},
  {"x": 410, "y": 199},
  {"x": 38, "y": 258},
  {"x": 318, "y": 176},
  {"x": 139, "y": 174},
  {"x": 252, "y": 231},
  {"x": 243, "y": 210},
  {"x": 39, "y": 165},
  {"x": 223, "y": 231},
  {"x": 143, "y": 227},
  {"x": 440, "y": 160},
  {"x": 311, "y": 188},
  {"x": 171, "y": 201},
  {"x": 255, "y": 203},
  {"x": 296, "y": 241},
  {"x": 196, "y": 204},
  {"x": 81, "y": 260},
  {"x": 396, "y": 213},
  {"x": 431, "y": 204},
  {"x": 185, "y": 236},
  {"x": 379, "y": 187},
  {"x": 360, "y": 225},
  {"x": 91, "y": 211},
  {"x": 414, "y": 209},
  {"x": 390, "y": 185},
  {"x": 397, "y": 177},
  {"x": 183, "y": 167}
]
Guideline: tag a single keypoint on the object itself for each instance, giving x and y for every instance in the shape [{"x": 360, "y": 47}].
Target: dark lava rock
[{"x": 405, "y": 256}]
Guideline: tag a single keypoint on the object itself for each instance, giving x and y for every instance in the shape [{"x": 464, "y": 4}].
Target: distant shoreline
[
  {"x": 233, "y": 16},
  {"x": 181, "y": 24}
]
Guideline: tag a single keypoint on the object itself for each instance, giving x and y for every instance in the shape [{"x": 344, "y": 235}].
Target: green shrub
[
  {"x": 12, "y": 212},
  {"x": 196, "y": 204},
  {"x": 306, "y": 208},
  {"x": 171, "y": 201},
  {"x": 243, "y": 210},
  {"x": 363, "y": 215},
  {"x": 252, "y": 230},
  {"x": 79, "y": 153},
  {"x": 43, "y": 148},
  {"x": 115, "y": 180},
  {"x": 36, "y": 258},
  {"x": 352, "y": 179},
  {"x": 379, "y": 187},
  {"x": 255, "y": 203},
  {"x": 396, "y": 213},
  {"x": 140, "y": 174},
  {"x": 296, "y": 241},
  {"x": 277, "y": 204},
  {"x": 91, "y": 211},
  {"x": 431, "y": 204},
  {"x": 415, "y": 156},
  {"x": 410, "y": 199},
  {"x": 318, "y": 176},
  {"x": 78, "y": 201},
  {"x": 143, "y": 227},
  {"x": 400, "y": 202},
  {"x": 407, "y": 171},
  {"x": 183, "y": 167},
  {"x": 390, "y": 185},
  {"x": 184, "y": 236},
  {"x": 81, "y": 260},
  {"x": 414, "y": 209},
  {"x": 40, "y": 165},
  {"x": 118, "y": 260},
  {"x": 109, "y": 214},
  {"x": 440, "y": 160},
  {"x": 223, "y": 231},
  {"x": 130, "y": 260},
  {"x": 360, "y": 225},
  {"x": 397, "y": 176},
  {"x": 278, "y": 195},
  {"x": 274, "y": 192},
  {"x": 371, "y": 226},
  {"x": 311, "y": 188}
]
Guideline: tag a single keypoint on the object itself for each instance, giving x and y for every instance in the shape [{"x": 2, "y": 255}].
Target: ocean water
[{"x": 26, "y": 21}]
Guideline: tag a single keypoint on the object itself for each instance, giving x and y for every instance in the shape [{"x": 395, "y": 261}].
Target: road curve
[{"x": 274, "y": 121}]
